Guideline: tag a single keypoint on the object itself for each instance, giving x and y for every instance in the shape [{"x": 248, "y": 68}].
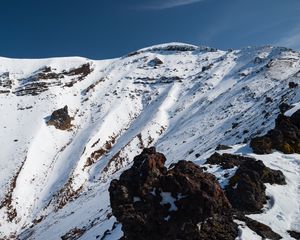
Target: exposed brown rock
[
  {"x": 73, "y": 234},
  {"x": 155, "y": 62},
  {"x": 60, "y": 119},
  {"x": 246, "y": 189},
  {"x": 183, "y": 202},
  {"x": 285, "y": 137},
  {"x": 81, "y": 71},
  {"x": 261, "y": 229}
]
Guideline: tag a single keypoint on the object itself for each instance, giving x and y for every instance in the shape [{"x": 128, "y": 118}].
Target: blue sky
[{"x": 101, "y": 29}]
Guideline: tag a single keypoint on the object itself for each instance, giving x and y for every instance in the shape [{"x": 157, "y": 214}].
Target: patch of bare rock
[
  {"x": 152, "y": 201},
  {"x": 285, "y": 136},
  {"x": 60, "y": 119}
]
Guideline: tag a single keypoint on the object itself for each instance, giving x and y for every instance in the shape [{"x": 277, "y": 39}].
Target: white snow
[
  {"x": 168, "y": 199},
  {"x": 124, "y": 105}
]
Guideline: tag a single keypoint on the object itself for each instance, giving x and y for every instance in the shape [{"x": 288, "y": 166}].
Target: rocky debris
[
  {"x": 293, "y": 85},
  {"x": 162, "y": 79},
  {"x": 258, "y": 60},
  {"x": 246, "y": 189},
  {"x": 226, "y": 161},
  {"x": 294, "y": 234},
  {"x": 4, "y": 91},
  {"x": 269, "y": 99},
  {"x": 174, "y": 47},
  {"x": 222, "y": 147},
  {"x": 155, "y": 62},
  {"x": 205, "y": 68},
  {"x": 81, "y": 71},
  {"x": 46, "y": 77},
  {"x": 261, "y": 229},
  {"x": 284, "y": 107},
  {"x": 285, "y": 137},
  {"x": 34, "y": 88},
  {"x": 182, "y": 202},
  {"x": 5, "y": 80},
  {"x": 7, "y": 201},
  {"x": 73, "y": 234},
  {"x": 60, "y": 119}
]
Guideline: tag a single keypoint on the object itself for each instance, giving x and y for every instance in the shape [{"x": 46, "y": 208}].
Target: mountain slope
[{"x": 183, "y": 99}]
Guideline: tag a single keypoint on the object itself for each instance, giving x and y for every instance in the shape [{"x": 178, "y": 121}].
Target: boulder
[
  {"x": 60, "y": 119},
  {"x": 222, "y": 147},
  {"x": 285, "y": 136},
  {"x": 246, "y": 189},
  {"x": 155, "y": 62},
  {"x": 293, "y": 85}
]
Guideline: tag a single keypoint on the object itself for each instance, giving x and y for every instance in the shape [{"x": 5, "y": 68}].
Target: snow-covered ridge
[{"x": 183, "y": 99}]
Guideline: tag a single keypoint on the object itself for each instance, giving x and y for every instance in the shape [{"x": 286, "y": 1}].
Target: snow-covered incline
[{"x": 183, "y": 99}]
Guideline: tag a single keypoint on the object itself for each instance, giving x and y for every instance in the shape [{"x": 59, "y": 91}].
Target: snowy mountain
[{"x": 183, "y": 99}]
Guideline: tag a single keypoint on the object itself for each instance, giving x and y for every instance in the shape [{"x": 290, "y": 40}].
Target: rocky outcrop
[
  {"x": 155, "y": 62},
  {"x": 285, "y": 137},
  {"x": 293, "y": 85},
  {"x": 60, "y": 119},
  {"x": 246, "y": 189},
  {"x": 261, "y": 229},
  {"x": 222, "y": 147},
  {"x": 294, "y": 234},
  {"x": 182, "y": 202}
]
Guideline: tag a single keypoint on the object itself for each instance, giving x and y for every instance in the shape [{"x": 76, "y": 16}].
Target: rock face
[
  {"x": 60, "y": 119},
  {"x": 285, "y": 137},
  {"x": 155, "y": 62},
  {"x": 183, "y": 202},
  {"x": 261, "y": 229},
  {"x": 246, "y": 189}
]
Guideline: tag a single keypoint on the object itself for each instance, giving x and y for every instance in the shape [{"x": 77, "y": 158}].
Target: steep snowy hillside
[{"x": 183, "y": 99}]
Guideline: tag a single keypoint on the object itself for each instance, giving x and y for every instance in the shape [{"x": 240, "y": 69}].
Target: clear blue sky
[{"x": 101, "y": 29}]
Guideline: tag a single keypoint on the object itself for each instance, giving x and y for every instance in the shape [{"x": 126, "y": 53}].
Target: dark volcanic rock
[
  {"x": 261, "y": 229},
  {"x": 60, "y": 119},
  {"x": 183, "y": 202},
  {"x": 246, "y": 189},
  {"x": 284, "y": 107},
  {"x": 222, "y": 147},
  {"x": 155, "y": 62},
  {"x": 293, "y": 85},
  {"x": 294, "y": 234},
  {"x": 285, "y": 137},
  {"x": 226, "y": 160}
]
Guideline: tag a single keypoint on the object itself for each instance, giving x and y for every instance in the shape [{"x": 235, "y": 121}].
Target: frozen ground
[{"x": 55, "y": 182}]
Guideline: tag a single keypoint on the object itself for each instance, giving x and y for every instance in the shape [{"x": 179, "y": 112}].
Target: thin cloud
[
  {"x": 292, "y": 40},
  {"x": 171, "y": 4}
]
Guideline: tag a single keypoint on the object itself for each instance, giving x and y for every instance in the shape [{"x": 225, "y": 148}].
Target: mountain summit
[{"x": 183, "y": 99}]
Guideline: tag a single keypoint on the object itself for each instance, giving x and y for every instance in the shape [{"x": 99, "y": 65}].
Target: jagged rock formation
[
  {"x": 246, "y": 189},
  {"x": 182, "y": 202},
  {"x": 285, "y": 137},
  {"x": 60, "y": 119}
]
